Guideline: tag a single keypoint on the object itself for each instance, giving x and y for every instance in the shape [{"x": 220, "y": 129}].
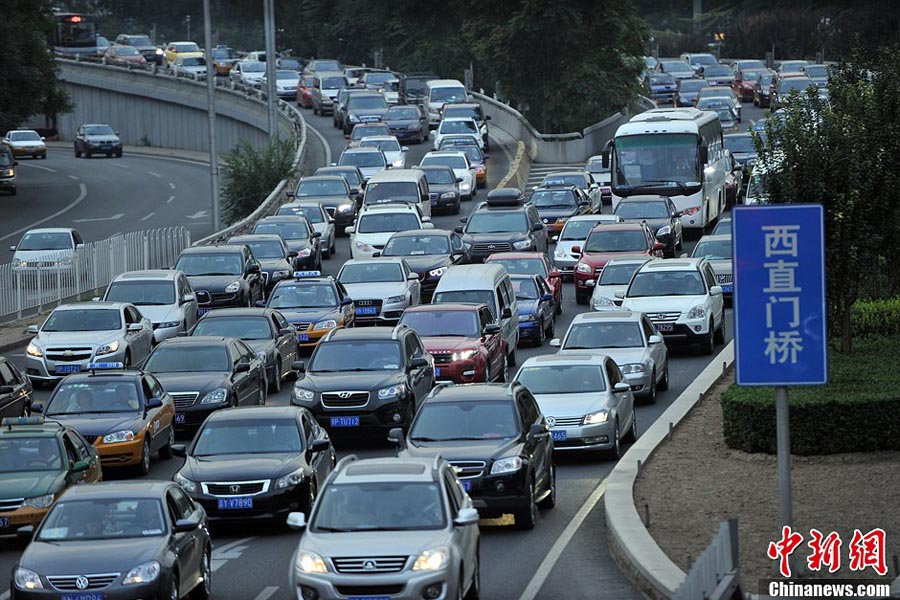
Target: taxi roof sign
[
  {"x": 10, "y": 421},
  {"x": 101, "y": 366},
  {"x": 302, "y": 274}
]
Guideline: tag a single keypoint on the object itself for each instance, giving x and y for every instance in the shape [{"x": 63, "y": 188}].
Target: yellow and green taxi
[
  {"x": 39, "y": 461},
  {"x": 175, "y": 49},
  {"x": 314, "y": 304},
  {"x": 126, "y": 415}
]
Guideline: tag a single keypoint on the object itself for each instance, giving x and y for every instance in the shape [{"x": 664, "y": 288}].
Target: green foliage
[
  {"x": 27, "y": 73},
  {"x": 858, "y": 411},
  {"x": 876, "y": 318},
  {"x": 249, "y": 175}
]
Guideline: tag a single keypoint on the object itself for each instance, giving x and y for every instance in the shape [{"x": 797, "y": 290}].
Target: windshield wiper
[
  {"x": 467, "y": 439},
  {"x": 334, "y": 529},
  {"x": 214, "y": 274},
  {"x": 668, "y": 182}
]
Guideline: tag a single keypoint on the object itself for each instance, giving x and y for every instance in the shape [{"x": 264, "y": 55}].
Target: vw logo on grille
[
  {"x": 369, "y": 565},
  {"x": 234, "y": 488},
  {"x": 82, "y": 582},
  {"x": 551, "y": 421},
  {"x": 546, "y": 220},
  {"x": 344, "y": 395}
]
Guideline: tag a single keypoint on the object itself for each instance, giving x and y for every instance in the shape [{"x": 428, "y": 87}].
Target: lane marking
[
  {"x": 229, "y": 551},
  {"x": 154, "y": 174},
  {"x": 171, "y": 185},
  {"x": 230, "y": 545},
  {"x": 324, "y": 144},
  {"x": 147, "y": 217},
  {"x": 75, "y": 177},
  {"x": 265, "y": 594},
  {"x": 197, "y": 215},
  {"x": 42, "y": 168},
  {"x": 81, "y": 196},
  {"x": 540, "y": 576},
  {"x": 169, "y": 201},
  {"x": 114, "y": 217},
  {"x": 4, "y": 595},
  {"x": 120, "y": 166}
]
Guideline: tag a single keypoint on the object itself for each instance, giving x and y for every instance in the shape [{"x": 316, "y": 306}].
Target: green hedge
[
  {"x": 876, "y": 318},
  {"x": 859, "y": 410}
]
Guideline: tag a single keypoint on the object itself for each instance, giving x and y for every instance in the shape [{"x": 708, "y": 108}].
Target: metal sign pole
[
  {"x": 211, "y": 115},
  {"x": 271, "y": 89},
  {"x": 783, "y": 437}
]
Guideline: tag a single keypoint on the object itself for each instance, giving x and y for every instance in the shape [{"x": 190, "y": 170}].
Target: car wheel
[
  {"x": 474, "y": 592},
  {"x": 261, "y": 393},
  {"x": 709, "y": 341},
  {"x": 615, "y": 453},
  {"x": 541, "y": 333},
  {"x": 456, "y": 207},
  {"x": 77, "y": 152},
  {"x": 87, "y": 153},
  {"x": 173, "y": 589},
  {"x": 511, "y": 358},
  {"x": 550, "y": 500},
  {"x": 581, "y": 297},
  {"x": 331, "y": 251},
  {"x": 144, "y": 465},
  {"x": 720, "y": 333},
  {"x": 631, "y": 436},
  {"x": 275, "y": 385},
  {"x": 664, "y": 382},
  {"x": 126, "y": 362},
  {"x": 559, "y": 306},
  {"x": 315, "y": 110},
  {"x": 166, "y": 451},
  {"x": 487, "y": 371},
  {"x": 551, "y": 329},
  {"x": 203, "y": 591},
  {"x": 311, "y": 494},
  {"x": 526, "y": 517},
  {"x": 651, "y": 397}
]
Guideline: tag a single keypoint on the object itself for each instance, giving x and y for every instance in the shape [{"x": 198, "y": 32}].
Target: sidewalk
[{"x": 14, "y": 335}]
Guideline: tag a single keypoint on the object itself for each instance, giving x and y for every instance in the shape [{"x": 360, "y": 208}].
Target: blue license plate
[
  {"x": 558, "y": 435},
  {"x": 728, "y": 289},
  {"x": 367, "y": 310},
  {"x": 202, "y": 311},
  {"x": 467, "y": 485},
  {"x": 4, "y": 522},
  {"x": 179, "y": 417},
  {"x": 68, "y": 368},
  {"x": 302, "y": 337},
  {"x": 240, "y": 503},
  {"x": 437, "y": 372},
  {"x": 83, "y": 596},
  {"x": 665, "y": 327},
  {"x": 345, "y": 421}
]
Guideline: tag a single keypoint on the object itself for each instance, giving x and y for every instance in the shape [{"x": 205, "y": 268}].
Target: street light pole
[
  {"x": 211, "y": 115},
  {"x": 271, "y": 89}
]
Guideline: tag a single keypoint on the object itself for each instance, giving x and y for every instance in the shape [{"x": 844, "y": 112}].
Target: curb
[{"x": 642, "y": 560}]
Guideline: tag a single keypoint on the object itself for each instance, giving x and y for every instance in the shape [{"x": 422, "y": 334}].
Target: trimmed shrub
[
  {"x": 876, "y": 318},
  {"x": 249, "y": 175}
]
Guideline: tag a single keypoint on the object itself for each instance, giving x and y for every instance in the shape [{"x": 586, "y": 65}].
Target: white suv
[
  {"x": 376, "y": 223},
  {"x": 682, "y": 300}
]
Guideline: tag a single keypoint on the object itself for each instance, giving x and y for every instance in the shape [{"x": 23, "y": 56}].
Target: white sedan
[
  {"x": 458, "y": 126},
  {"x": 388, "y": 144}
]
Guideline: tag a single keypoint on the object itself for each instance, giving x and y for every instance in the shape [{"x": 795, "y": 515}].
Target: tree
[
  {"x": 250, "y": 174},
  {"x": 27, "y": 71}
]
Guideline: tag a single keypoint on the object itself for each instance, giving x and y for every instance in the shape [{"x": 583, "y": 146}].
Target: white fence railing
[
  {"x": 714, "y": 575},
  {"x": 54, "y": 278}
]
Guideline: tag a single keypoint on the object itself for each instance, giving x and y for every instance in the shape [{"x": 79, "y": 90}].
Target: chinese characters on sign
[
  {"x": 783, "y": 340},
  {"x": 865, "y": 550}
]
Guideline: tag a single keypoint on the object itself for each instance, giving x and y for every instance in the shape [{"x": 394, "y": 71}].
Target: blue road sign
[{"x": 779, "y": 295}]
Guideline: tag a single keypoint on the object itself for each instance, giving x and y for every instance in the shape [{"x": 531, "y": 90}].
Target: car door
[
  {"x": 15, "y": 392},
  {"x": 508, "y": 325},
  {"x": 77, "y": 450},
  {"x": 412, "y": 284},
  {"x": 493, "y": 343},
  {"x": 465, "y": 536},
  {"x": 241, "y": 386},
  {"x": 540, "y": 236},
  {"x": 539, "y": 446},
  {"x": 717, "y": 301},
  {"x": 183, "y": 545},
  {"x": 623, "y": 400},
  {"x": 547, "y": 308},
  {"x": 420, "y": 379},
  {"x": 141, "y": 342},
  {"x": 285, "y": 343},
  {"x": 189, "y": 307},
  {"x": 658, "y": 352},
  {"x": 165, "y": 415},
  {"x": 319, "y": 462}
]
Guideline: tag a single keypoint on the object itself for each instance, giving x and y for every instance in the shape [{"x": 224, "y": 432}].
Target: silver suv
[{"x": 388, "y": 527}]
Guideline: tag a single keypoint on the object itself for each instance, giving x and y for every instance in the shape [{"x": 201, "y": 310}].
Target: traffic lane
[{"x": 119, "y": 194}]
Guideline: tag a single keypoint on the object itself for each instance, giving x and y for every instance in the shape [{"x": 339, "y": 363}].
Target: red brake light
[
  {"x": 75, "y": 19},
  {"x": 691, "y": 210}
]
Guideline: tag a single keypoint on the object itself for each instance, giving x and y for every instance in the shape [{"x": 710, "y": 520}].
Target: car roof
[
  {"x": 282, "y": 219},
  {"x": 398, "y": 175},
  {"x": 388, "y": 207},
  {"x": 721, "y": 237},
  {"x": 91, "y": 305},
  {"x": 399, "y": 260},
  {"x": 412, "y": 232},
  {"x": 165, "y": 275},
  {"x": 462, "y": 105},
  {"x": 448, "y": 306},
  {"x": 324, "y": 177},
  {"x": 214, "y": 249},
  {"x": 101, "y": 374},
  {"x": 243, "y": 311},
  {"x": 617, "y": 227},
  {"x": 643, "y": 198},
  {"x": 628, "y": 261},
  {"x": 246, "y": 413},
  {"x": 515, "y": 256},
  {"x": 386, "y": 469},
  {"x": 195, "y": 340},
  {"x": 607, "y": 315},
  {"x": 136, "y": 488},
  {"x": 50, "y": 230},
  {"x": 255, "y": 237},
  {"x": 444, "y": 153},
  {"x": 458, "y": 273},
  {"x": 33, "y": 429},
  {"x": 473, "y": 392},
  {"x": 673, "y": 264},
  {"x": 566, "y": 358},
  {"x": 344, "y": 334}
]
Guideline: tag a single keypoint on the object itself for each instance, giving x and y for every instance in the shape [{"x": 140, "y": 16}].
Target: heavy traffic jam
[{"x": 412, "y": 345}]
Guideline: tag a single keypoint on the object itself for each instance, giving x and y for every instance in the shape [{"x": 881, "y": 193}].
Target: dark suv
[
  {"x": 505, "y": 223},
  {"x": 412, "y": 87},
  {"x": 222, "y": 275},
  {"x": 497, "y": 441},
  {"x": 365, "y": 380}
]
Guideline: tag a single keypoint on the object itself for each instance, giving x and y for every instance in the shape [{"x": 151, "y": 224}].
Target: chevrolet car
[
  {"x": 222, "y": 275},
  {"x": 428, "y": 252},
  {"x": 313, "y": 304}
]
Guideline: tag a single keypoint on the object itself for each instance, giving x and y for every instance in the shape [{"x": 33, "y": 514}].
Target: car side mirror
[
  {"x": 25, "y": 533},
  {"x": 292, "y": 254},
  {"x": 677, "y": 214},
  {"x": 188, "y": 298},
  {"x": 418, "y": 362},
  {"x": 715, "y": 290},
  {"x": 576, "y": 250},
  {"x": 319, "y": 446},
  {"x": 346, "y": 301},
  {"x": 554, "y": 238},
  {"x": 704, "y": 154},
  {"x": 412, "y": 277},
  {"x": 296, "y": 520},
  {"x": 285, "y": 331},
  {"x": 658, "y": 246},
  {"x": 506, "y": 314},
  {"x": 37, "y": 407},
  {"x": 546, "y": 297},
  {"x": 376, "y": 254},
  {"x": 655, "y": 339},
  {"x": 179, "y": 450},
  {"x": 466, "y": 516},
  {"x": 459, "y": 180},
  {"x": 260, "y": 303},
  {"x": 349, "y": 230},
  {"x": 32, "y": 329},
  {"x": 6, "y": 389},
  {"x": 604, "y": 159},
  {"x": 242, "y": 367},
  {"x": 427, "y": 224},
  {"x": 299, "y": 366},
  {"x": 537, "y": 227},
  {"x": 620, "y": 294},
  {"x": 537, "y": 429},
  {"x": 254, "y": 268},
  {"x": 317, "y": 234},
  {"x": 458, "y": 229},
  {"x": 133, "y": 327},
  {"x": 12, "y": 248},
  {"x": 290, "y": 194},
  {"x": 621, "y": 388},
  {"x": 186, "y": 525},
  {"x": 555, "y": 343},
  {"x": 491, "y": 329},
  {"x": 396, "y": 436},
  {"x": 80, "y": 466},
  {"x": 554, "y": 274},
  {"x": 154, "y": 403}
]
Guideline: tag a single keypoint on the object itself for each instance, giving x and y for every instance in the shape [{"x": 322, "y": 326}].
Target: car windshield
[
  {"x": 462, "y": 112},
  {"x": 327, "y": 65},
  {"x": 725, "y": 115},
  {"x": 379, "y": 506},
  {"x": 210, "y": 264},
  {"x": 703, "y": 59},
  {"x": 451, "y": 323},
  {"x": 356, "y": 355},
  {"x": 497, "y": 222},
  {"x": 470, "y": 296},
  {"x": 417, "y": 245},
  {"x": 253, "y": 436},
  {"x": 366, "y": 102},
  {"x": 363, "y": 159},
  {"x": 391, "y": 145},
  {"x": 713, "y": 249},
  {"x": 666, "y": 283},
  {"x": 290, "y": 63},
  {"x": 378, "y": 78},
  {"x": 313, "y": 214},
  {"x": 187, "y": 47},
  {"x": 522, "y": 266},
  {"x": 193, "y": 61},
  {"x": 627, "y": 240},
  {"x": 19, "y": 454},
  {"x": 563, "y": 199},
  {"x": 314, "y": 295},
  {"x": 740, "y": 144},
  {"x": 454, "y": 162},
  {"x": 99, "y": 130},
  {"x": 816, "y": 71},
  {"x": 392, "y": 191},
  {"x": 128, "y": 51},
  {"x": 605, "y": 334},
  {"x": 790, "y": 84},
  {"x": 45, "y": 241},
  {"x": 142, "y": 293},
  {"x": 717, "y": 71},
  {"x": 402, "y": 113},
  {"x": 253, "y": 67},
  {"x": 448, "y": 94},
  {"x": 563, "y": 379},
  {"x": 525, "y": 288},
  {"x": 98, "y": 319},
  {"x": 350, "y": 174},
  {"x": 264, "y": 249},
  {"x": 576, "y": 179},
  {"x": 614, "y": 274},
  {"x": 449, "y": 421},
  {"x": 577, "y": 230},
  {"x": 458, "y": 127},
  {"x": 361, "y": 131},
  {"x": 188, "y": 358},
  {"x": 321, "y": 187},
  {"x": 387, "y": 223},
  {"x": 662, "y": 79},
  {"x": 371, "y": 272},
  {"x": 245, "y": 328},
  {"x": 139, "y": 40},
  {"x": 765, "y": 80},
  {"x": 642, "y": 210},
  {"x": 472, "y": 151},
  {"x": 6, "y": 159},
  {"x": 692, "y": 85},
  {"x": 676, "y": 66},
  {"x": 285, "y": 74},
  {"x": 722, "y": 227},
  {"x": 94, "y": 396},
  {"x": 333, "y": 83},
  {"x": 222, "y": 53},
  {"x": 749, "y": 75},
  {"x": 651, "y": 159},
  {"x": 76, "y": 520},
  {"x": 287, "y": 231},
  {"x": 440, "y": 176}
]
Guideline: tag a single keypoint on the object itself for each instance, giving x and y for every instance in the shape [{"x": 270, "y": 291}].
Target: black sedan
[
  {"x": 276, "y": 260},
  {"x": 222, "y": 276},
  {"x": 299, "y": 236},
  {"x": 497, "y": 441},
  {"x": 205, "y": 374},
  {"x": 428, "y": 252},
  {"x": 407, "y": 122},
  {"x": 443, "y": 188},
  {"x": 256, "y": 463},
  {"x": 15, "y": 390},
  {"x": 266, "y": 331},
  {"x": 143, "y": 539}
]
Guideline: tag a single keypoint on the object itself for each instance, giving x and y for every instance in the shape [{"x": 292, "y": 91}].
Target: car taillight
[{"x": 690, "y": 211}]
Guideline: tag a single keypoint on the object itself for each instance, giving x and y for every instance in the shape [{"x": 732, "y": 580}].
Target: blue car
[
  {"x": 537, "y": 314},
  {"x": 662, "y": 87}
]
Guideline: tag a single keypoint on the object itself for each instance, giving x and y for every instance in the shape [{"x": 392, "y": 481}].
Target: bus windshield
[{"x": 656, "y": 160}]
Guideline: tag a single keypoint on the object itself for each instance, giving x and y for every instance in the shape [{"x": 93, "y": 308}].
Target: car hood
[
  {"x": 368, "y": 172},
  {"x": 598, "y": 259},
  {"x": 25, "y": 143},
  {"x": 464, "y": 450},
  {"x": 450, "y": 344},
  {"x": 274, "y": 264},
  {"x": 567, "y": 245},
  {"x": 308, "y": 315},
  {"x": 721, "y": 266},
  {"x": 298, "y": 244},
  {"x": 212, "y": 283},
  {"x": 402, "y": 122},
  {"x": 408, "y": 543},
  {"x": 499, "y": 236},
  {"x": 100, "y": 424},
  {"x": 253, "y": 76},
  {"x": 527, "y": 307},
  {"x": 242, "y": 467},
  {"x": 376, "y": 239},
  {"x": 662, "y": 304},
  {"x": 373, "y": 114},
  {"x": 653, "y": 224},
  {"x": 345, "y": 380},
  {"x": 160, "y": 313},
  {"x": 622, "y": 356},
  {"x": 29, "y": 255},
  {"x": 76, "y": 338},
  {"x": 193, "y": 382},
  {"x": 570, "y": 405},
  {"x": 423, "y": 264},
  {"x": 30, "y": 484},
  {"x": 381, "y": 290},
  {"x": 436, "y": 189},
  {"x": 266, "y": 346},
  {"x": 555, "y": 213},
  {"x": 328, "y": 201},
  {"x": 609, "y": 291},
  {"x": 114, "y": 139},
  {"x": 91, "y": 556}
]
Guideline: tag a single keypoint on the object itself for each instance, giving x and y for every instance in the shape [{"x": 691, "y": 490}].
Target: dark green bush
[
  {"x": 858, "y": 411},
  {"x": 249, "y": 175},
  {"x": 876, "y": 318}
]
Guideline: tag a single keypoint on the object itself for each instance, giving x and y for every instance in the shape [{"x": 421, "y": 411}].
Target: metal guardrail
[
  {"x": 714, "y": 575},
  {"x": 58, "y": 277}
]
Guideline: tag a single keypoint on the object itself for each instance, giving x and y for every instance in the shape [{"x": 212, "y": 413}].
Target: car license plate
[
  {"x": 665, "y": 327},
  {"x": 367, "y": 310},
  {"x": 558, "y": 435},
  {"x": 179, "y": 417},
  {"x": 302, "y": 337},
  {"x": 83, "y": 596},
  {"x": 437, "y": 372},
  {"x": 235, "y": 503},
  {"x": 202, "y": 311},
  {"x": 68, "y": 368},
  {"x": 345, "y": 421},
  {"x": 4, "y": 522},
  {"x": 467, "y": 485},
  {"x": 727, "y": 289}
]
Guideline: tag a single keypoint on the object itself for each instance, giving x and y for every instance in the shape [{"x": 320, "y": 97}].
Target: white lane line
[
  {"x": 120, "y": 166},
  {"x": 263, "y": 595},
  {"x": 324, "y": 144},
  {"x": 169, "y": 201},
  {"x": 4, "y": 596},
  {"x": 230, "y": 545},
  {"x": 75, "y": 177},
  {"x": 21, "y": 164},
  {"x": 148, "y": 216},
  {"x": 81, "y": 196},
  {"x": 114, "y": 217},
  {"x": 537, "y": 581},
  {"x": 171, "y": 185},
  {"x": 197, "y": 215},
  {"x": 154, "y": 174}
]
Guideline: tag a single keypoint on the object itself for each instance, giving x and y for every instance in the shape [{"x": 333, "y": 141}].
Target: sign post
[{"x": 779, "y": 312}]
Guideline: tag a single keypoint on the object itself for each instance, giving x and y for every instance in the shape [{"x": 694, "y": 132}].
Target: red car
[
  {"x": 532, "y": 263},
  {"x": 304, "y": 91},
  {"x": 744, "y": 81},
  {"x": 116, "y": 54},
  {"x": 464, "y": 340},
  {"x": 605, "y": 242}
]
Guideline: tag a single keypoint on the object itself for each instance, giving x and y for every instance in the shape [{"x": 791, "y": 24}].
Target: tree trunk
[{"x": 846, "y": 330}]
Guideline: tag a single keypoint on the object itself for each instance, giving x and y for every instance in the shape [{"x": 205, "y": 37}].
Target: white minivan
[
  {"x": 437, "y": 93},
  {"x": 399, "y": 185}
]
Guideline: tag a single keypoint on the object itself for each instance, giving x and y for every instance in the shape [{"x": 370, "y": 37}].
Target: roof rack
[{"x": 508, "y": 196}]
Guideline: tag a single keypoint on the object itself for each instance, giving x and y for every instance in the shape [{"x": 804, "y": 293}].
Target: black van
[{"x": 412, "y": 87}]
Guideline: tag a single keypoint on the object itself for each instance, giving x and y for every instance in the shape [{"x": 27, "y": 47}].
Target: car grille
[
  {"x": 184, "y": 399},
  {"x": 664, "y": 317},
  {"x": 203, "y": 296},
  {"x": 91, "y": 439},
  {"x": 345, "y": 399},
  {"x": 468, "y": 469},
  {"x": 10, "y": 503},
  {"x": 567, "y": 421},
  {"x": 70, "y": 582},
  {"x": 723, "y": 278},
  {"x": 69, "y": 354},
  {"x": 442, "y": 359},
  {"x": 494, "y": 247},
  {"x": 236, "y": 488},
  {"x": 369, "y": 590},
  {"x": 302, "y": 326},
  {"x": 370, "y": 564}
]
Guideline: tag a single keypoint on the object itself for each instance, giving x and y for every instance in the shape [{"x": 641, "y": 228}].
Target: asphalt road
[{"x": 252, "y": 562}]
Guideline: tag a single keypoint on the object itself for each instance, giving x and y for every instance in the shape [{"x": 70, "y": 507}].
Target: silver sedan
[{"x": 381, "y": 289}]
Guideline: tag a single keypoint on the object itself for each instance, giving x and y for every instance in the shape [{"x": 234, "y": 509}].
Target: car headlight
[
  {"x": 353, "y": 118},
  {"x": 233, "y": 287},
  {"x": 601, "y": 416},
  {"x": 698, "y": 312},
  {"x": 633, "y": 368},
  {"x": 362, "y": 246},
  {"x": 448, "y": 195},
  {"x": 437, "y": 272},
  {"x": 33, "y": 350},
  {"x": 144, "y": 573},
  {"x": 602, "y": 302},
  {"x": 345, "y": 208},
  {"x": 291, "y": 479},
  {"x": 583, "y": 268},
  {"x": 185, "y": 483},
  {"x": 328, "y": 324},
  {"x": 108, "y": 348},
  {"x": 464, "y": 355},
  {"x": 398, "y": 163},
  {"x": 528, "y": 317},
  {"x": 9, "y": 172},
  {"x": 119, "y": 436},
  {"x": 432, "y": 560},
  {"x": 664, "y": 230},
  {"x": 522, "y": 244},
  {"x": 310, "y": 562},
  {"x": 280, "y": 274},
  {"x": 26, "y": 579},
  {"x": 168, "y": 324},
  {"x": 39, "y": 501},
  {"x": 302, "y": 395},
  {"x": 18, "y": 262},
  {"x": 506, "y": 465},
  {"x": 560, "y": 253},
  {"x": 304, "y": 253},
  {"x": 217, "y": 396},
  {"x": 261, "y": 356},
  {"x": 394, "y": 299},
  {"x": 465, "y": 186},
  {"x": 393, "y": 391}
]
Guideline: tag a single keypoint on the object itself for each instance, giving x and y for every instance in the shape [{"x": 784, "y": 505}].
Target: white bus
[{"x": 675, "y": 152}]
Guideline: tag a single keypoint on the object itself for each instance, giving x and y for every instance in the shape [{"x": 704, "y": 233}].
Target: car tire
[
  {"x": 315, "y": 110},
  {"x": 203, "y": 591},
  {"x": 651, "y": 397},
  {"x": 127, "y": 360},
  {"x": 504, "y": 373},
  {"x": 526, "y": 517},
  {"x": 709, "y": 345},
  {"x": 173, "y": 588},
  {"x": 261, "y": 393},
  {"x": 615, "y": 453},
  {"x": 551, "y": 330},
  {"x": 275, "y": 385},
  {"x": 87, "y": 153},
  {"x": 456, "y": 207},
  {"x": 720, "y": 334},
  {"x": 77, "y": 152},
  {"x": 541, "y": 335},
  {"x": 581, "y": 297},
  {"x": 550, "y": 500},
  {"x": 143, "y": 467},
  {"x": 474, "y": 592},
  {"x": 119, "y": 154},
  {"x": 631, "y": 436},
  {"x": 664, "y": 382},
  {"x": 165, "y": 452},
  {"x": 559, "y": 306},
  {"x": 511, "y": 358}
]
